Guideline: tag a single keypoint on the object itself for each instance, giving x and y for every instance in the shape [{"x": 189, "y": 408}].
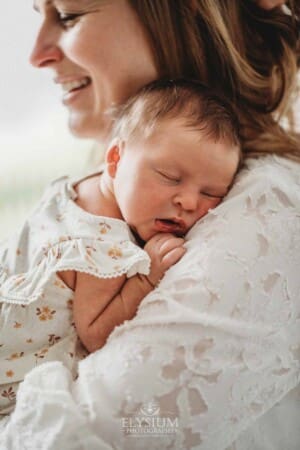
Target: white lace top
[
  {"x": 212, "y": 359},
  {"x": 36, "y": 320}
]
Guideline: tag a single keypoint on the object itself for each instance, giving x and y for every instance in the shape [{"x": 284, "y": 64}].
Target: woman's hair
[
  {"x": 238, "y": 49},
  {"x": 192, "y": 103}
]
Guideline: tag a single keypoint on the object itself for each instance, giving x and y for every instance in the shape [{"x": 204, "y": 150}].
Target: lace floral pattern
[{"x": 216, "y": 345}]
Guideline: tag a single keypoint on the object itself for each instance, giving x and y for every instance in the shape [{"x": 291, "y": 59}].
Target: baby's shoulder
[{"x": 88, "y": 195}]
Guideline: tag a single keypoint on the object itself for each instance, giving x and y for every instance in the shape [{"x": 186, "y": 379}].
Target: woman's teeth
[{"x": 70, "y": 86}]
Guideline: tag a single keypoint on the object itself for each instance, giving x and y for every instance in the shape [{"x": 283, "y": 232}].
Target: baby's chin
[{"x": 141, "y": 242}]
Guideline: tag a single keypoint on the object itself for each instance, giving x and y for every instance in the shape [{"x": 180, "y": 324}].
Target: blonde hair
[
  {"x": 189, "y": 101},
  {"x": 233, "y": 46}
]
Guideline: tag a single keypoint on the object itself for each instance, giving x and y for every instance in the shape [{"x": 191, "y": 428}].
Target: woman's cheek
[{"x": 75, "y": 45}]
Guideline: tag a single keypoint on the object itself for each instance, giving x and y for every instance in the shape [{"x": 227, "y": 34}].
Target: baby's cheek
[{"x": 208, "y": 204}]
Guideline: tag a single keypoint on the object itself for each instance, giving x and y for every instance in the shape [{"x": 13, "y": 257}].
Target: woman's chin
[{"x": 85, "y": 127}]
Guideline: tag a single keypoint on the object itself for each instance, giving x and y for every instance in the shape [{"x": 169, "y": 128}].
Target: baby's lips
[{"x": 170, "y": 226}]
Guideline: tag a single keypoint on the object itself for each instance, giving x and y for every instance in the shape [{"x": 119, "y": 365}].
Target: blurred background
[{"x": 35, "y": 144}]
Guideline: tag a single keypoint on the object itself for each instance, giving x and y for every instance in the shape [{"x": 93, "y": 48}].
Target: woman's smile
[{"x": 74, "y": 40}]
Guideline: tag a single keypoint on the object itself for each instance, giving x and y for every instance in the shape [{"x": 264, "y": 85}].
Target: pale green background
[{"x": 35, "y": 144}]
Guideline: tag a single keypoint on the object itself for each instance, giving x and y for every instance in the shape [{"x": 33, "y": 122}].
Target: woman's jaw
[{"x": 86, "y": 47}]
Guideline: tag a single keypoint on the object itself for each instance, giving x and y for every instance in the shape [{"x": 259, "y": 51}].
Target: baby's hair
[{"x": 188, "y": 100}]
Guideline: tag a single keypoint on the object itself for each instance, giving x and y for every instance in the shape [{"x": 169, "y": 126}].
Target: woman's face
[{"x": 99, "y": 54}]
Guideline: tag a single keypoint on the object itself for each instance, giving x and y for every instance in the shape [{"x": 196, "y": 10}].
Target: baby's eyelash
[
  {"x": 212, "y": 196},
  {"x": 169, "y": 177}
]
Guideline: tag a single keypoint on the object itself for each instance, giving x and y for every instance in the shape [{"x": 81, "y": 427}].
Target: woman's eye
[{"x": 67, "y": 20}]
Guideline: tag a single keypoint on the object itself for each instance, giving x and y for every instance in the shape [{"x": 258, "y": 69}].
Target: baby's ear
[{"x": 112, "y": 158}]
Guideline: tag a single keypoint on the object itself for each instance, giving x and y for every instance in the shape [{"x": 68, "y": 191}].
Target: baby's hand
[{"x": 164, "y": 249}]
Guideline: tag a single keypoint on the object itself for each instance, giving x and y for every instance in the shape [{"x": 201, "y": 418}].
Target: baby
[{"x": 75, "y": 267}]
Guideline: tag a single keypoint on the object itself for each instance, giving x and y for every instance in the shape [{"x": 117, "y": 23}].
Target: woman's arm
[{"x": 102, "y": 304}]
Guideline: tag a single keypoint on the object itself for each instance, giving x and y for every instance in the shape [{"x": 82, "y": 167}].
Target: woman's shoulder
[
  {"x": 272, "y": 165},
  {"x": 276, "y": 178}
]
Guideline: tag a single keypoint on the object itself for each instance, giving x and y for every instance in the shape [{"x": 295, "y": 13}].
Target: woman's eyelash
[{"x": 68, "y": 19}]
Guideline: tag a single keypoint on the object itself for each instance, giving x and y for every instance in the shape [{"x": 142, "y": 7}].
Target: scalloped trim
[{"x": 15, "y": 299}]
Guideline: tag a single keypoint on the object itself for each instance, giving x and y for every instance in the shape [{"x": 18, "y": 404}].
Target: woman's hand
[
  {"x": 164, "y": 249},
  {"x": 270, "y": 4}
]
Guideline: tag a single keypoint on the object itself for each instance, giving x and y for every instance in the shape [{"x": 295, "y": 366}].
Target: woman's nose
[{"x": 46, "y": 50}]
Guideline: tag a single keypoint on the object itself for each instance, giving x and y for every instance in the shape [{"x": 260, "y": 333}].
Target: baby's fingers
[
  {"x": 173, "y": 256},
  {"x": 170, "y": 244}
]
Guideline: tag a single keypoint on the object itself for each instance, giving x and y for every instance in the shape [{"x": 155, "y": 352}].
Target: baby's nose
[{"x": 189, "y": 201}]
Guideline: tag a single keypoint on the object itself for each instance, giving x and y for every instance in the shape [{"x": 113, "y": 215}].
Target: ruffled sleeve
[{"x": 103, "y": 257}]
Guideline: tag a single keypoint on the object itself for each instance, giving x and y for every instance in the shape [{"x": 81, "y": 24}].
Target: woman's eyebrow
[{"x": 36, "y": 7}]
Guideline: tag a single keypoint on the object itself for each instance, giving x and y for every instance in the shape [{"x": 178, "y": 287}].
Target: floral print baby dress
[{"x": 36, "y": 320}]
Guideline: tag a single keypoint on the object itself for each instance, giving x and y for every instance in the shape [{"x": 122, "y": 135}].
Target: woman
[{"x": 211, "y": 361}]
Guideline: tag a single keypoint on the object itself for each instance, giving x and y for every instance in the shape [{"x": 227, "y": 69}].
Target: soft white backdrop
[{"x": 35, "y": 144}]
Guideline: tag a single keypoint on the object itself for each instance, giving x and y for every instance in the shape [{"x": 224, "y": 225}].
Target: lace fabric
[{"x": 216, "y": 346}]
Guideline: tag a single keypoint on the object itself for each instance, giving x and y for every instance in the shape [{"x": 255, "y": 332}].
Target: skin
[
  {"x": 101, "y": 42},
  {"x": 98, "y": 42},
  {"x": 270, "y": 4},
  {"x": 99, "y": 53},
  {"x": 177, "y": 173}
]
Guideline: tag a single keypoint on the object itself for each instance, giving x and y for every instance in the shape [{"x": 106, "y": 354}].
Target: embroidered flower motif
[
  {"x": 65, "y": 238},
  {"x": 59, "y": 217},
  {"x": 52, "y": 339},
  {"x": 17, "y": 325},
  {"x": 41, "y": 354},
  {"x": 46, "y": 249},
  {"x": 104, "y": 227},
  {"x": 9, "y": 373},
  {"x": 115, "y": 252},
  {"x": 70, "y": 303},
  {"x": 9, "y": 394},
  {"x": 14, "y": 356},
  {"x": 29, "y": 341},
  {"x": 19, "y": 280},
  {"x": 59, "y": 284},
  {"x": 45, "y": 313},
  {"x": 89, "y": 250}
]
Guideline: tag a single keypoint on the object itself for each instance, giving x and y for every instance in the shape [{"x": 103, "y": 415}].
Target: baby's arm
[{"x": 102, "y": 304}]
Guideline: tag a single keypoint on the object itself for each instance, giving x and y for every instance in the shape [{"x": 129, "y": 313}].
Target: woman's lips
[
  {"x": 175, "y": 226},
  {"x": 73, "y": 94},
  {"x": 72, "y": 88}
]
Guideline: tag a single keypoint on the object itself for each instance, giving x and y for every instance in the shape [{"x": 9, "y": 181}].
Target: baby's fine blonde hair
[{"x": 187, "y": 101}]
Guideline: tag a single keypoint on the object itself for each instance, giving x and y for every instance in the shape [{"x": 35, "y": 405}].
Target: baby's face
[{"x": 167, "y": 182}]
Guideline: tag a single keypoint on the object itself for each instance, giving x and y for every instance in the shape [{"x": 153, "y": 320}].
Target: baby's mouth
[{"x": 175, "y": 226}]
